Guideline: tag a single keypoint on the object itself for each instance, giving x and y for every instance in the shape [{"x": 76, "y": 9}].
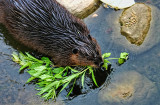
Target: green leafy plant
[
  {"x": 123, "y": 57},
  {"x": 51, "y": 78}
]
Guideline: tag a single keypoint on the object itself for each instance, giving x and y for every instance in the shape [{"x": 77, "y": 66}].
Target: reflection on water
[{"x": 144, "y": 62}]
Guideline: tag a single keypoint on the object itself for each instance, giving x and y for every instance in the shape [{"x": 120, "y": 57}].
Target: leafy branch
[
  {"x": 123, "y": 57},
  {"x": 51, "y": 78}
]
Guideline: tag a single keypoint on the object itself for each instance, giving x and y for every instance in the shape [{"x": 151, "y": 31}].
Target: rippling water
[{"x": 135, "y": 82}]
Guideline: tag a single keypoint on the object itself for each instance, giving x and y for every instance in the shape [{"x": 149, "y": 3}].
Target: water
[{"x": 135, "y": 82}]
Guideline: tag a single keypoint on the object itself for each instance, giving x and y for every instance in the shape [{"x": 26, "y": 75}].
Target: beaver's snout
[{"x": 99, "y": 62}]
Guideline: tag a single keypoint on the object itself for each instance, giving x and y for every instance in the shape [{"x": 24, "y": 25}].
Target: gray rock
[
  {"x": 135, "y": 23},
  {"x": 80, "y": 8}
]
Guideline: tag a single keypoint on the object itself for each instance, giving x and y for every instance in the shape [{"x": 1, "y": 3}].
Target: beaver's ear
[{"x": 75, "y": 51}]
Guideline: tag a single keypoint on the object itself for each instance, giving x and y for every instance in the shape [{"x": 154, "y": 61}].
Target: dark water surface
[{"x": 137, "y": 82}]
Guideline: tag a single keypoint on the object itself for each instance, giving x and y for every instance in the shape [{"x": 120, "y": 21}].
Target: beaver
[{"x": 47, "y": 27}]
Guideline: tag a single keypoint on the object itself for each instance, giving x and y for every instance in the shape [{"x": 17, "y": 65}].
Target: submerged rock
[
  {"x": 80, "y": 8},
  {"x": 135, "y": 23},
  {"x": 128, "y": 88}
]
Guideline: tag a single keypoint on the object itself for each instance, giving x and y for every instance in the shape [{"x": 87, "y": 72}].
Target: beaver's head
[
  {"x": 87, "y": 54},
  {"x": 82, "y": 51}
]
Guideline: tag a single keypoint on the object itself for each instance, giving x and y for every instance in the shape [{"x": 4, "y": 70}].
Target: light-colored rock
[
  {"x": 135, "y": 23},
  {"x": 128, "y": 88},
  {"x": 80, "y": 8},
  {"x": 119, "y": 4}
]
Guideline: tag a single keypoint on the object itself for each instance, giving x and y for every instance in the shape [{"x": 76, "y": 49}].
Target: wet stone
[
  {"x": 80, "y": 8},
  {"x": 128, "y": 88},
  {"x": 135, "y": 23}
]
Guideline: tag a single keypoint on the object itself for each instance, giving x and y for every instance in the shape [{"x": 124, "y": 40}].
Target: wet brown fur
[{"x": 47, "y": 27}]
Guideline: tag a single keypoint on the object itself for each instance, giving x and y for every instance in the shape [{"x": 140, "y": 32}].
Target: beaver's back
[
  {"x": 46, "y": 26},
  {"x": 1, "y": 11}
]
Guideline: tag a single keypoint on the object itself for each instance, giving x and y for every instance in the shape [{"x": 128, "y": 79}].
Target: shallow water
[{"x": 139, "y": 76}]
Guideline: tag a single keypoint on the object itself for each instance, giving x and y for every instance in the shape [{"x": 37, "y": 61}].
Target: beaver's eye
[
  {"x": 86, "y": 54},
  {"x": 97, "y": 53},
  {"x": 75, "y": 51},
  {"x": 89, "y": 36}
]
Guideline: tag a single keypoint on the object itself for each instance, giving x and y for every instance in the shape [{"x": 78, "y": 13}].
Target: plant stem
[{"x": 112, "y": 58}]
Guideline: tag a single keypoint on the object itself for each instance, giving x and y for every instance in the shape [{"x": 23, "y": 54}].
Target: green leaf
[
  {"x": 73, "y": 70},
  {"x": 121, "y": 61},
  {"x": 34, "y": 65},
  {"x": 49, "y": 79},
  {"x": 37, "y": 71},
  {"x": 54, "y": 94},
  {"x": 58, "y": 70},
  {"x": 22, "y": 57},
  {"x": 124, "y": 55},
  {"x": 106, "y": 61},
  {"x": 42, "y": 84},
  {"x": 70, "y": 91},
  {"x": 40, "y": 68},
  {"x": 25, "y": 66},
  {"x": 47, "y": 88},
  {"x": 72, "y": 88},
  {"x": 58, "y": 76},
  {"x": 69, "y": 78},
  {"x": 49, "y": 94},
  {"x": 31, "y": 72},
  {"x": 15, "y": 57},
  {"x": 30, "y": 79},
  {"x": 90, "y": 69},
  {"x": 37, "y": 74},
  {"x": 58, "y": 84},
  {"x": 82, "y": 79},
  {"x": 33, "y": 58},
  {"x": 46, "y": 60},
  {"x": 106, "y": 55},
  {"x": 94, "y": 80},
  {"x": 64, "y": 86},
  {"x": 44, "y": 76},
  {"x": 105, "y": 65},
  {"x": 65, "y": 73}
]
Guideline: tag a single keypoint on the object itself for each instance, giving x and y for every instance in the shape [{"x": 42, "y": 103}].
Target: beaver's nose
[
  {"x": 101, "y": 64},
  {"x": 99, "y": 61}
]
